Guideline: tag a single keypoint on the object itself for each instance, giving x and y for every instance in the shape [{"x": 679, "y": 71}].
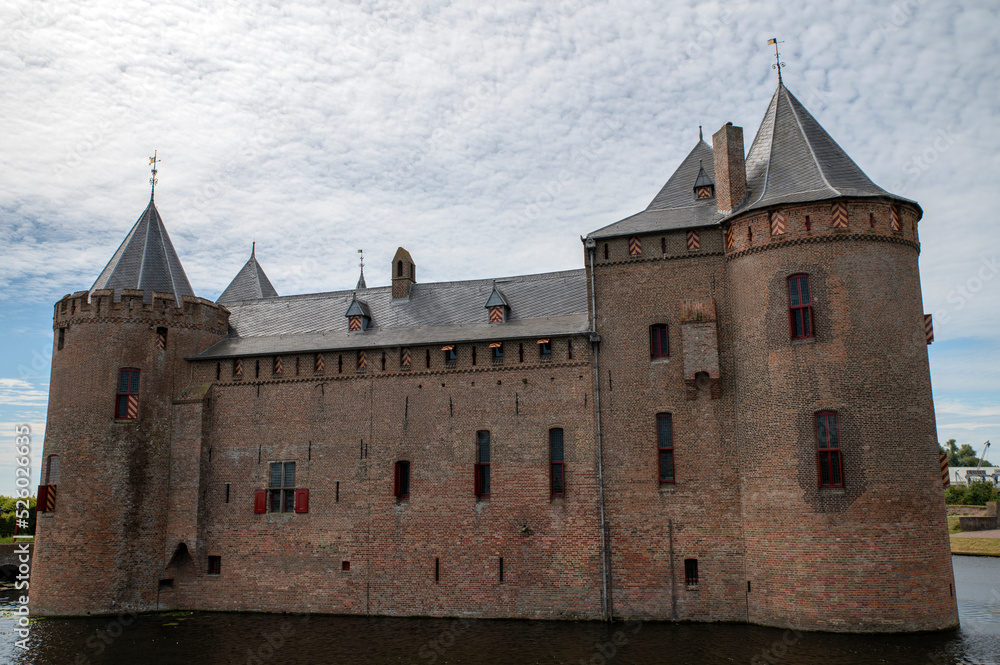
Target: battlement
[{"x": 101, "y": 306}]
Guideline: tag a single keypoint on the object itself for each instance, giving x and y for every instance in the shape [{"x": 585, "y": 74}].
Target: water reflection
[{"x": 254, "y": 639}]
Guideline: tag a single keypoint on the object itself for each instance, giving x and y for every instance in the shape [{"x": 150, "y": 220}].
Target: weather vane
[
  {"x": 361, "y": 280},
  {"x": 777, "y": 57},
  {"x": 152, "y": 180}
]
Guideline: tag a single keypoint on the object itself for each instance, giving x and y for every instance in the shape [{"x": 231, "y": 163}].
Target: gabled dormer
[
  {"x": 404, "y": 274},
  {"x": 497, "y": 306},
  {"x": 704, "y": 188},
  {"x": 359, "y": 316}
]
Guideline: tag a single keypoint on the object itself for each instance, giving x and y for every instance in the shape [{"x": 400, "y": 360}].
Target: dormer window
[
  {"x": 358, "y": 315},
  {"x": 497, "y": 306},
  {"x": 704, "y": 188},
  {"x": 450, "y": 356}
]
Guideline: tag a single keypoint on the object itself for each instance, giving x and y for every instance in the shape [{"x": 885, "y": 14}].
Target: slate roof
[
  {"x": 496, "y": 299},
  {"x": 250, "y": 283},
  {"x": 675, "y": 206},
  {"x": 793, "y": 159},
  {"x": 358, "y": 308},
  {"x": 546, "y": 304},
  {"x": 146, "y": 260}
]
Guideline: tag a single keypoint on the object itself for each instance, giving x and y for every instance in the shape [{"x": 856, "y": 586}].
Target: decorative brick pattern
[
  {"x": 778, "y": 223},
  {"x": 635, "y": 246},
  {"x": 496, "y": 314},
  {"x": 838, "y": 215},
  {"x": 693, "y": 240}
]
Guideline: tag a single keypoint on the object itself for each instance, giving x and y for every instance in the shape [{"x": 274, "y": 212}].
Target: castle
[{"x": 724, "y": 415}]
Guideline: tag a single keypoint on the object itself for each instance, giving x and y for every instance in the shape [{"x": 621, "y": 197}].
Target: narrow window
[
  {"x": 281, "y": 489},
  {"x": 427, "y": 360},
  {"x": 690, "y": 571},
  {"x": 871, "y": 220},
  {"x": 437, "y": 569},
  {"x": 257, "y": 370},
  {"x": 161, "y": 338},
  {"x": 227, "y": 492},
  {"x": 544, "y": 349},
  {"x": 383, "y": 361},
  {"x": 749, "y": 235},
  {"x": 659, "y": 341},
  {"x": 214, "y": 565},
  {"x": 218, "y": 371},
  {"x": 569, "y": 349},
  {"x": 520, "y": 352},
  {"x": 127, "y": 398},
  {"x": 473, "y": 355},
  {"x": 809, "y": 225},
  {"x": 501, "y": 569},
  {"x": 296, "y": 365},
  {"x": 336, "y": 492},
  {"x": 401, "y": 480},
  {"x": 663, "y": 245},
  {"x": 340, "y": 363},
  {"x": 399, "y": 269},
  {"x": 345, "y": 566},
  {"x": 482, "y": 471},
  {"x": 605, "y": 251},
  {"x": 557, "y": 468},
  {"x": 828, "y": 443},
  {"x": 62, "y": 339},
  {"x": 665, "y": 448},
  {"x": 800, "y": 314},
  {"x": 52, "y": 473}
]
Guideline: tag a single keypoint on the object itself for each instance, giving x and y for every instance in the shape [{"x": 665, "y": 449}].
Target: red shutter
[
  {"x": 395, "y": 479},
  {"x": 260, "y": 501},
  {"x": 475, "y": 479},
  {"x": 44, "y": 499},
  {"x": 302, "y": 501}
]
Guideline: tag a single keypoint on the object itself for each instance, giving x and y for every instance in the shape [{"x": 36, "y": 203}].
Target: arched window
[
  {"x": 52, "y": 473},
  {"x": 831, "y": 473},
  {"x": 800, "y": 314},
  {"x": 399, "y": 268},
  {"x": 659, "y": 341}
]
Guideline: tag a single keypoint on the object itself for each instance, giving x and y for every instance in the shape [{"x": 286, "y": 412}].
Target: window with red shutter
[
  {"x": 302, "y": 501},
  {"x": 127, "y": 397},
  {"x": 260, "y": 501}
]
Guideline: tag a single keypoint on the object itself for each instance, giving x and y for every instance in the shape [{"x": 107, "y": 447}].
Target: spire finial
[
  {"x": 700, "y": 137},
  {"x": 152, "y": 179},
  {"x": 361, "y": 280},
  {"x": 778, "y": 64},
  {"x": 253, "y": 249}
]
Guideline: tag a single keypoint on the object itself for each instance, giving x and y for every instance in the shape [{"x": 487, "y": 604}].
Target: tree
[{"x": 960, "y": 456}]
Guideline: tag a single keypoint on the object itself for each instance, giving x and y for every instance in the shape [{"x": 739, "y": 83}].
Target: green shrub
[
  {"x": 979, "y": 493},
  {"x": 7, "y": 506},
  {"x": 955, "y": 494}
]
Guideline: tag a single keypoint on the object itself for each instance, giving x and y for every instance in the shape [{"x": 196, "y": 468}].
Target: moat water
[{"x": 263, "y": 639}]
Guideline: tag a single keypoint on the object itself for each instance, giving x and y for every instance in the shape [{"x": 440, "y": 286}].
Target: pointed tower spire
[
  {"x": 146, "y": 259},
  {"x": 152, "y": 178},
  {"x": 778, "y": 64},
  {"x": 361, "y": 280},
  {"x": 250, "y": 282}
]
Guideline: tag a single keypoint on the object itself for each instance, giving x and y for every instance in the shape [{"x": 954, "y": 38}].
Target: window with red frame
[
  {"x": 557, "y": 466},
  {"x": 665, "y": 447},
  {"x": 828, "y": 440},
  {"x": 127, "y": 399},
  {"x": 800, "y": 313},
  {"x": 659, "y": 341},
  {"x": 401, "y": 480},
  {"x": 482, "y": 471}
]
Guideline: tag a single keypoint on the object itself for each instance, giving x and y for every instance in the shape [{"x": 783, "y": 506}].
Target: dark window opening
[
  {"x": 450, "y": 355},
  {"x": 605, "y": 251},
  {"x": 340, "y": 364},
  {"x": 800, "y": 313},
  {"x": 161, "y": 338},
  {"x": 411, "y": 272},
  {"x": 749, "y": 234},
  {"x": 437, "y": 569},
  {"x": 127, "y": 398},
  {"x": 497, "y": 349},
  {"x": 544, "y": 348},
  {"x": 257, "y": 370},
  {"x": 871, "y": 220},
  {"x": 690, "y": 571},
  {"x": 214, "y": 565},
  {"x": 501, "y": 569},
  {"x": 828, "y": 445},
  {"x": 569, "y": 349},
  {"x": 557, "y": 466},
  {"x": 663, "y": 245},
  {"x": 218, "y": 371},
  {"x": 383, "y": 361},
  {"x": 482, "y": 469},
  {"x": 296, "y": 366},
  {"x": 399, "y": 268},
  {"x": 227, "y": 492},
  {"x": 665, "y": 447},
  {"x": 52, "y": 473},
  {"x": 473, "y": 355},
  {"x": 62, "y": 339},
  {"x": 401, "y": 480},
  {"x": 809, "y": 225},
  {"x": 345, "y": 565},
  {"x": 520, "y": 352},
  {"x": 427, "y": 360},
  {"x": 167, "y": 583},
  {"x": 336, "y": 495},
  {"x": 659, "y": 341},
  {"x": 281, "y": 488}
]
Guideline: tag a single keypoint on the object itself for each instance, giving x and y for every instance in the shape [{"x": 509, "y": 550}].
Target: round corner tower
[
  {"x": 118, "y": 365},
  {"x": 843, "y": 508}
]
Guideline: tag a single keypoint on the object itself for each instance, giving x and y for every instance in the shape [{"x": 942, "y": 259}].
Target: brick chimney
[
  {"x": 730, "y": 167},
  {"x": 404, "y": 274}
]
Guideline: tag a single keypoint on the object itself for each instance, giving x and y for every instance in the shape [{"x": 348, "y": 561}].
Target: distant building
[{"x": 724, "y": 415}]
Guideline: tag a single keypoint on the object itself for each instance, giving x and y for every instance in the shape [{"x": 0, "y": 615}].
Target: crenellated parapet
[{"x": 101, "y": 306}]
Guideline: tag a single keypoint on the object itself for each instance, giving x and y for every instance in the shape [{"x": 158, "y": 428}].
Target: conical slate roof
[
  {"x": 793, "y": 159},
  {"x": 250, "y": 283},
  {"x": 675, "y": 206},
  {"x": 146, "y": 260}
]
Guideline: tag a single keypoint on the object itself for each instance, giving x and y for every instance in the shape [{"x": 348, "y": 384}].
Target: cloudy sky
[{"x": 485, "y": 137}]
